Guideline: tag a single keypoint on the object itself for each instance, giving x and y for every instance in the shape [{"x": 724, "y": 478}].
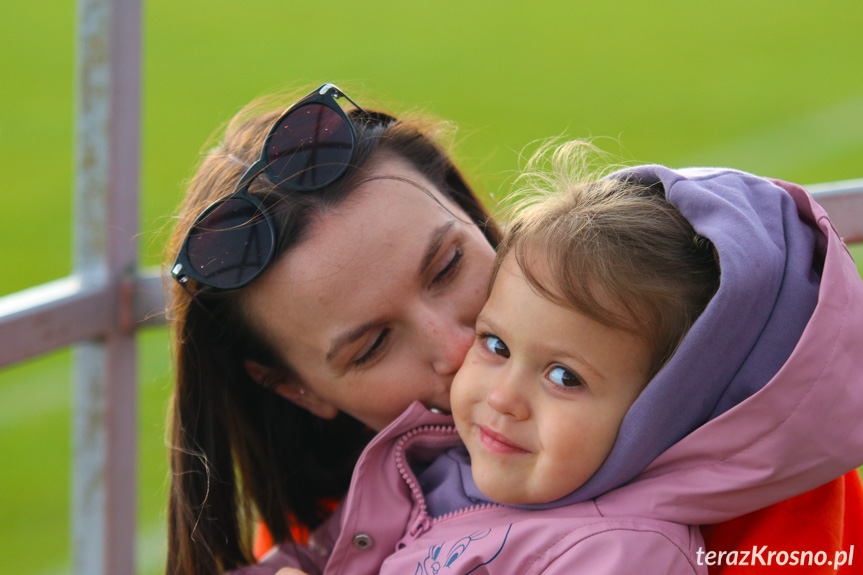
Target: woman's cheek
[
  {"x": 474, "y": 297},
  {"x": 483, "y": 264}
]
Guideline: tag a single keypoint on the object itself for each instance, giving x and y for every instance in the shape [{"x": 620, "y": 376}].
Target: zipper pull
[{"x": 420, "y": 526}]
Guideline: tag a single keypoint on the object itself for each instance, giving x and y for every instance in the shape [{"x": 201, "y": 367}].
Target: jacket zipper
[{"x": 423, "y": 522}]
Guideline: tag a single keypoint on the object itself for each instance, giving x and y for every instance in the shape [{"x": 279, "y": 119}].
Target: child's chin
[
  {"x": 498, "y": 495},
  {"x": 498, "y": 491},
  {"x": 511, "y": 492}
]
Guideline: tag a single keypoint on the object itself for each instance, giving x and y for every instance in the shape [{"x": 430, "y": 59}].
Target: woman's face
[{"x": 376, "y": 308}]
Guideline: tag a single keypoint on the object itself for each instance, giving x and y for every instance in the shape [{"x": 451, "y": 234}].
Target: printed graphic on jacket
[{"x": 438, "y": 559}]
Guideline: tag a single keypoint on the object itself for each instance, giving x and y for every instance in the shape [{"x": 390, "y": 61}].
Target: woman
[
  {"x": 370, "y": 257},
  {"x": 384, "y": 321}
]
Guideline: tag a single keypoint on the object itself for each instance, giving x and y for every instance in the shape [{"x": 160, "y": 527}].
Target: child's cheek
[{"x": 463, "y": 392}]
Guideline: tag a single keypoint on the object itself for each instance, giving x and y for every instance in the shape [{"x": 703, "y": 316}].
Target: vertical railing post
[{"x": 107, "y": 148}]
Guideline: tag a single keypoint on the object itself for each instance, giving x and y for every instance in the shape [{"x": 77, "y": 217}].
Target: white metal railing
[
  {"x": 100, "y": 306},
  {"x": 107, "y": 176},
  {"x": 843, "y": 202},
  {"x": 95, "y": 308}
]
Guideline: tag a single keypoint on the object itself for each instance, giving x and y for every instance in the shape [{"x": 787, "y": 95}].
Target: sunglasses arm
[
  {"x": 250, "y": 175},
  {"x": 337, "y": 93}
]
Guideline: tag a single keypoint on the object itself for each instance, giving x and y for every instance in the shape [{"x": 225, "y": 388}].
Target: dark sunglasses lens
[
  {"x": 310, "y": 148},
  {"x": 231, "y": 244}
]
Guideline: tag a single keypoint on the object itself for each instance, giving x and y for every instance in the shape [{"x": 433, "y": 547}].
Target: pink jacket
[{"x": 801, "y": 430}]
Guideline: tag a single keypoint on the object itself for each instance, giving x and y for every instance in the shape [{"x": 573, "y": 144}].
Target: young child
[{"x": 660, "y": 349}]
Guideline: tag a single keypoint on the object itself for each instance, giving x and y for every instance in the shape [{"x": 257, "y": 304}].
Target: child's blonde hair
[{"x": 609, "y": 247}]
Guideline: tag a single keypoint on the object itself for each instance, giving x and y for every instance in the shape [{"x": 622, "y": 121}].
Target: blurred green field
[{"x": 770, "y": 87}]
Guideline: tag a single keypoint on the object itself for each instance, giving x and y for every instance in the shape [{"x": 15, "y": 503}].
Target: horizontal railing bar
[
  {"x": 59, "y": 313},
  {"x": 148, "y": 301},
  {"x": 839, "y": 188},
  {"x": 843, "y": 202},
  {"x": 50, "y": 316}
]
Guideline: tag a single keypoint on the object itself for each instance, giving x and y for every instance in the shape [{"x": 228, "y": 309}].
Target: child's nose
[{"x": 507, "y": 398}]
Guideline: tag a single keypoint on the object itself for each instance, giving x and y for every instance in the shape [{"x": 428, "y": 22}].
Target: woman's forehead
[
  {"x": 384, "y": 220},
  {"x": 359, "y": 261}
]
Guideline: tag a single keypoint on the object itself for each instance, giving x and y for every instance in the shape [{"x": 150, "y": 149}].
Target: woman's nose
[
  {"x": 451, "y": 349},
  {"x": 506, "y": 397}
]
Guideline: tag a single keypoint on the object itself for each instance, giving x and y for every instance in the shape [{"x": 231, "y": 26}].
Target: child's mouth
[{"x": 498, "y": 443}]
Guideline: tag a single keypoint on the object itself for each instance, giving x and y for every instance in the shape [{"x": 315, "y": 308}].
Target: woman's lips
[{"x": 498, "y": 443}]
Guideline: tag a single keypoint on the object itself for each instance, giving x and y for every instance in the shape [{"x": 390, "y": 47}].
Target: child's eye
[
  {"x": 563, "y": 377},
  {"x": 495, "y": 345}
]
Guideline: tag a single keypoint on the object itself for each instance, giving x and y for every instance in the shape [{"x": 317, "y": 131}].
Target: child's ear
[{"x": 290, "y": 389}]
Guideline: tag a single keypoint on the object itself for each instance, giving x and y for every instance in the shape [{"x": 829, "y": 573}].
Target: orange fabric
[
  {"x": 264, "y": 539},
  {"x": 828, "y": 518}
]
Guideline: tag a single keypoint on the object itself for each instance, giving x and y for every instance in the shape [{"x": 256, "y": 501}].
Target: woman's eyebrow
[{"x": 436, "y": 240}]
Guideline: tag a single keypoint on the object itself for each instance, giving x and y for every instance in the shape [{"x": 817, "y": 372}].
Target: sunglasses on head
[{"x": 234, "y": 239}]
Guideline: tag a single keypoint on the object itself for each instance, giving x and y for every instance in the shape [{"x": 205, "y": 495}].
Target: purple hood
[{"x": 770, "y": 273}]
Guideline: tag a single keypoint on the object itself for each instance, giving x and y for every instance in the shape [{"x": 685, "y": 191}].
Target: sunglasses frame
[{"x": 327, "y": 95}]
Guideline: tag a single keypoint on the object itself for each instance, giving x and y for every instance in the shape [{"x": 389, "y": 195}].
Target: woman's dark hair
[{"x": 239, "y": 452}]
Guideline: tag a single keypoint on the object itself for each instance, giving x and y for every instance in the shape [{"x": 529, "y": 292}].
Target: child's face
[{"x": 542, "y": 393}]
